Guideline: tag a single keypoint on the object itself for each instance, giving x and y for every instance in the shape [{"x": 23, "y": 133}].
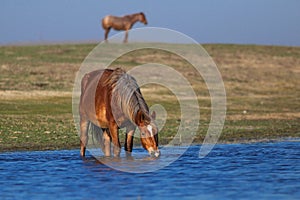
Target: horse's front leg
[
  {"x": 129, "y": 140},
  {"x": 114, "y": 133}
]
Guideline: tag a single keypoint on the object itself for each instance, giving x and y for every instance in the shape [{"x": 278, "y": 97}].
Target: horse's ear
[{"x": 153, "y": 115}]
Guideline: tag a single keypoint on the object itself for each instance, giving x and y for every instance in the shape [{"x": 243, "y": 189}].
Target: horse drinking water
[
  {"x": 111, "y": 99},
  {"x": 122, "y": 23}
]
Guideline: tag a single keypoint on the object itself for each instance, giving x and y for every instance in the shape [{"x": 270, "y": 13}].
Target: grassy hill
[{"x": 36, "y": 82}]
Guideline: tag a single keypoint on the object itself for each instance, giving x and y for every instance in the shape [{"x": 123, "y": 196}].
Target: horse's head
[
  {"x": 143, "y": 18},
  {"x": 149, "y": 133}
]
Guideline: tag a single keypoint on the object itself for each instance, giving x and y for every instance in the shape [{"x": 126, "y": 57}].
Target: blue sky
[{"x": 270, "y": 22}]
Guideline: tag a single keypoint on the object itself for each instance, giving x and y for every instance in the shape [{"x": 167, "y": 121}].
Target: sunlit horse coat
[{"x": 111, "y": 99}]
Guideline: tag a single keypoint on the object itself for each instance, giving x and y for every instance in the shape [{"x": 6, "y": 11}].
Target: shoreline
[{"x": 244, "y": 142}]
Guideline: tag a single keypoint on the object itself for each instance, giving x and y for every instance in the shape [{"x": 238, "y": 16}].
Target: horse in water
[
  {"x": 110, "y": 100},
  {"x": 122, "y": 23}
]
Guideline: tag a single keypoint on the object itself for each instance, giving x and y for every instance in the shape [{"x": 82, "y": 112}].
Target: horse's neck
[
  {"x": 134, "y": 18},
  {"x": 138, "y": 120},
  {"x": 142, "y": 107}
]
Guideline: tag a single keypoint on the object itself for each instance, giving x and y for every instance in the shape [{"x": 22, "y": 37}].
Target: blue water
[{"x": 235, "y": 171}]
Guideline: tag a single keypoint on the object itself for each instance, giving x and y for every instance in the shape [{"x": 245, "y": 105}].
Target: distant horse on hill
[{"x": 122, "y": 23}]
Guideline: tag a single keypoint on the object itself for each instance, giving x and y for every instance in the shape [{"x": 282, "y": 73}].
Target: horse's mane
[{"x": 126, "y": 94}]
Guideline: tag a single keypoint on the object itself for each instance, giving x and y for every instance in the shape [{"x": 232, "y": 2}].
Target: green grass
[
  {"x": 262, "y": 86},
  {"x": 37, "y": 124}
]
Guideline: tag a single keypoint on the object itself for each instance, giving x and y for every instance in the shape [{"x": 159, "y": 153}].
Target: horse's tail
[
  {"x": 84, "y": 83},
  {"x": 97, "y": 136}
]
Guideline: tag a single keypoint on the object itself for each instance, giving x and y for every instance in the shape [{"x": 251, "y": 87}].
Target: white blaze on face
[
  {"x": 156, "y": 154},
  {"x": 149, "y": 127}
]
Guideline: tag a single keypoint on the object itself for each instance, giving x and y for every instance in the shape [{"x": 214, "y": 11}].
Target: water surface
[{"x": 235, "y": 171}]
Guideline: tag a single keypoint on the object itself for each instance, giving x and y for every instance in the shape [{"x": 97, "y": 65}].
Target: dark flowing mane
[{"x": 126, "y": 94}]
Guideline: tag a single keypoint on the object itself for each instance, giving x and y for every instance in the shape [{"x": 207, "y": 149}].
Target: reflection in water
[
  {"x": 140, "y": 162},
  {"x": 262, "y": 170}
]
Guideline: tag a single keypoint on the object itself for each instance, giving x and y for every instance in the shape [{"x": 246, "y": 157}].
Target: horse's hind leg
[
  {"x": 84, "y": 125},
  {"x": 106, "y": 33},
  {"x": 106, "y": 142}
]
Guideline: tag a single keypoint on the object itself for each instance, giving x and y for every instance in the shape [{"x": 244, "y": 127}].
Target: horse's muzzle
[{"x": 155, "y": 154}]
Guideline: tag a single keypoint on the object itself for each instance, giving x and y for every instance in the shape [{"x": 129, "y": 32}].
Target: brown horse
[
  {"x": 122, "y": 23},
  {"x": 111, "y": 99}
]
